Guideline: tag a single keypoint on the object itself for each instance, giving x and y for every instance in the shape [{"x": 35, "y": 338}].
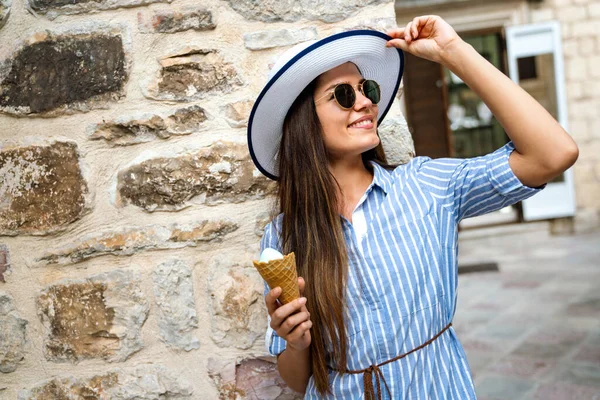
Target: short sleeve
[
  {"x": 475, "y": 186},
  {"x": 274, "y": 344}
]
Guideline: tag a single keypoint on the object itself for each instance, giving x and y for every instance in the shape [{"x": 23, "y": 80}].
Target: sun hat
[{"x": 299, "y": 66}]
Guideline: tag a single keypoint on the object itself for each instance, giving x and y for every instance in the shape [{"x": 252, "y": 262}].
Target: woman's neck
[{"x": 354, "y": 178}]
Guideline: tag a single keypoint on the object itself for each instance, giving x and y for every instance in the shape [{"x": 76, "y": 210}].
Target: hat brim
[{"x": 366, "y": 49}]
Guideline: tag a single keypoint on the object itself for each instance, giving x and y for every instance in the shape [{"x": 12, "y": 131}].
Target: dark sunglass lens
[
  {"x": 372, "y": 91},
  {"x": 344, "y": 93}
]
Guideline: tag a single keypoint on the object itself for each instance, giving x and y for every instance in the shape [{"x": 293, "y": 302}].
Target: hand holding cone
[{"x": 280, "y": 272}]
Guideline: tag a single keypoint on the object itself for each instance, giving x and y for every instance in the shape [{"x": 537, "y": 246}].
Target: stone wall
[
  {"x": 580, "y": 29},
  {"x": 130, "y": 210}
]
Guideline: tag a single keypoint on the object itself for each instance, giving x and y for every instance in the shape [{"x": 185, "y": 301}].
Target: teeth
[{"x": 361, "y": 123}]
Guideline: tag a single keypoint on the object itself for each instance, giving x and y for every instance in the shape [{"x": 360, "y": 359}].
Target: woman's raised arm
[{"x": 543, "y": 150}]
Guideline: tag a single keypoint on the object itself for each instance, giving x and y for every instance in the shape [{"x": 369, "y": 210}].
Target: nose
[{"x": 362, "y": 101}]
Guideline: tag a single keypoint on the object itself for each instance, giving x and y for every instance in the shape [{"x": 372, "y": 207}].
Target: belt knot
[
  {"x": 368, "y": 372},
  {"x": 368, "y": 382}
]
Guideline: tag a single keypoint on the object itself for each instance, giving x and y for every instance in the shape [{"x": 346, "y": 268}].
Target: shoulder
[
  {"x": 272, "y": 233},
  {"x": 401, "y": 171},
  {"x": 275, "y": 223}
]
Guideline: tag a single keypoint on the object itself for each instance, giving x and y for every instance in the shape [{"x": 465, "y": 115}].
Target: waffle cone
[{"x": 281, "y": 273}]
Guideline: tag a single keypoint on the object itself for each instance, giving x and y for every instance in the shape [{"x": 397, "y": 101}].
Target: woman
[{"x": 377, "y": 245}]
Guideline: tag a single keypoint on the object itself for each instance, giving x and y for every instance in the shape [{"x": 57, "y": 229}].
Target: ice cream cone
[{"x": 281, "y": 273}]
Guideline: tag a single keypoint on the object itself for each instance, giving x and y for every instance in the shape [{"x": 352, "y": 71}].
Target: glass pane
[
  {"x": 536, "y": 77},
  {"x": 475, "y": 131}
]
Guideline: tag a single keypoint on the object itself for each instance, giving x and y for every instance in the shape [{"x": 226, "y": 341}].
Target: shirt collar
[{"x": 381, "y": 177}]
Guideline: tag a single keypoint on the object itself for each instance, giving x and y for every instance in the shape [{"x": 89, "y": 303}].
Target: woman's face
[{"x": 346, "y": 133}]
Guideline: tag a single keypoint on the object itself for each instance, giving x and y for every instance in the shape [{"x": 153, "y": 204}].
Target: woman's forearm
[
  {"x": 295, "y": 368},
  {"x": 544, "y": 149}
]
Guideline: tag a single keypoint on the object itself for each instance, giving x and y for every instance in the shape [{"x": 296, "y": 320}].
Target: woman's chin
[{"x": 373, "y": 142}]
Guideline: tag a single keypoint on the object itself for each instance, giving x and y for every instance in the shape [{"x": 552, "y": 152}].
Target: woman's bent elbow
[
  {"x": 560, "y": 161},
  {"x": 569, "y": 155}
]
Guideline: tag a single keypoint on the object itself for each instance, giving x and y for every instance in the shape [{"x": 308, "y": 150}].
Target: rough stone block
[
  {"x": 592, "y": 63},
  {"x": 589, "y": 152},
  {"x": 576, "y": 69},
  {"x": 562, "y": 226},
  {"x": 4, "y": 263},
  {"x": 595, "y": 129},
  {"x": 587, "y": 47},
  {"x": 588, "y": 196},
  {"x": 572, "y": 13},
  {"x": 238, "y": 315},
  {"x": 293, "y": 10},
  {"x": 174, "y": 293},
  {"x": 98, "y": 317},
  {"x": 590, "y": 90},
  {"x": 171, "y": 21},
  {"x": 570, "y": 48},
  {"x": 585, "y": 28},
  {"x": 215, "y": 174},
  {"x": 191, "y": 75},
  {"x": 144, "y": 382},
  {"x": 4, "y": 11},
  {"x": 58, "y": 74},
  {"x": 396, "y": 140},
  {"x": 128, "y": 241},
  {"x": 586, "y": 109},
  {"x": 579, "y": 130},
  {"x": 42, "y": 188},
  {"x": 574, "y": 91},
  {"x": 542, "y": 15},
  {"x": 281, "y": 37},
  {"x": 12, "y": 335},
  {"x": 376, "y": 24},
  {"x": 594, "y": 10},
  {"x": 261, "y": 222},
  {"x": 566, "y": 31},
  {"x": 128, "y": 131},
  {"x": 251, "y": 378},
  {"x": 53, "y": 8},
  {"x": 237, "y": 113}
]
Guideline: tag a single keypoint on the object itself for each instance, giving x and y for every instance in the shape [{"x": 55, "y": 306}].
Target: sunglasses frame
[{"x": 358, "y": 87}]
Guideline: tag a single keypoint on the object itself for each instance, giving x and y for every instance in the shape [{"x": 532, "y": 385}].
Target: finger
[
  {"x": 398, "y": 43},
  {"x": 300, "y": 330},
  {"x": 416, "y": 27},
  {"x": 407, "y": 31},
  {"x": 395, "y": 33},
  {"x": 285, "y": 311},
  {"x": 292, "y": 322},
  {"x": 271, "y": 300},
  {"x": 301, "y": 285}
]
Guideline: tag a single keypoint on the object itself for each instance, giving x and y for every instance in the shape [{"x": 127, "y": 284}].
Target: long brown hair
[{"x": 312, "y": 228}]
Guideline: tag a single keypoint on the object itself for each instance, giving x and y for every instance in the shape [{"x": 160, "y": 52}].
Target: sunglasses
[{"x": 345, "y": 95}]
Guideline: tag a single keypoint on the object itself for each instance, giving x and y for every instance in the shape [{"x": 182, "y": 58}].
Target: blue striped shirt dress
[{"x": 402, "y": 273}]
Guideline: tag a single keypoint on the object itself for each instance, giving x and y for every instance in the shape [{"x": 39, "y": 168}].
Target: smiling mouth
[{"x": 367, "y": 123}]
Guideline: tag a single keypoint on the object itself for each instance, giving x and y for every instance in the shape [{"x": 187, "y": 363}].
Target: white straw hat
[{"x": 299, "y": 66}]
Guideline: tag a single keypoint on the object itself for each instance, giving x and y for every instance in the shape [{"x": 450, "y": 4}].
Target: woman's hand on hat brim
[{"x": 428, "y": 37}]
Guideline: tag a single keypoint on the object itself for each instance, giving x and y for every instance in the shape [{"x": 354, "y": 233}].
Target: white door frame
[{"x": 557, "y": 199}]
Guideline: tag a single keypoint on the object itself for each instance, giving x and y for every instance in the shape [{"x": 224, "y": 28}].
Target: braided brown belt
[{"x": 368, "y": 372}]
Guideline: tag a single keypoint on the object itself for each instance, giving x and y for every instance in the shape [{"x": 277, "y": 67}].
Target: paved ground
[{"x": 532, "y": 329}]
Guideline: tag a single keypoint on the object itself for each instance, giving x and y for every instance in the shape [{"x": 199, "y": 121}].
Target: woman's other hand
[
  {"x": 291, "y": 321},
  {"x": 428, "y": 37}
]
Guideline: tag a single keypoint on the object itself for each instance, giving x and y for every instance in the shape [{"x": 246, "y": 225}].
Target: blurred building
[{"x": 551, "y": 47}]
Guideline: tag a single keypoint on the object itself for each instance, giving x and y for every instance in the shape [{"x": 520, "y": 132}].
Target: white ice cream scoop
[{"x": 269, "y": 254}]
